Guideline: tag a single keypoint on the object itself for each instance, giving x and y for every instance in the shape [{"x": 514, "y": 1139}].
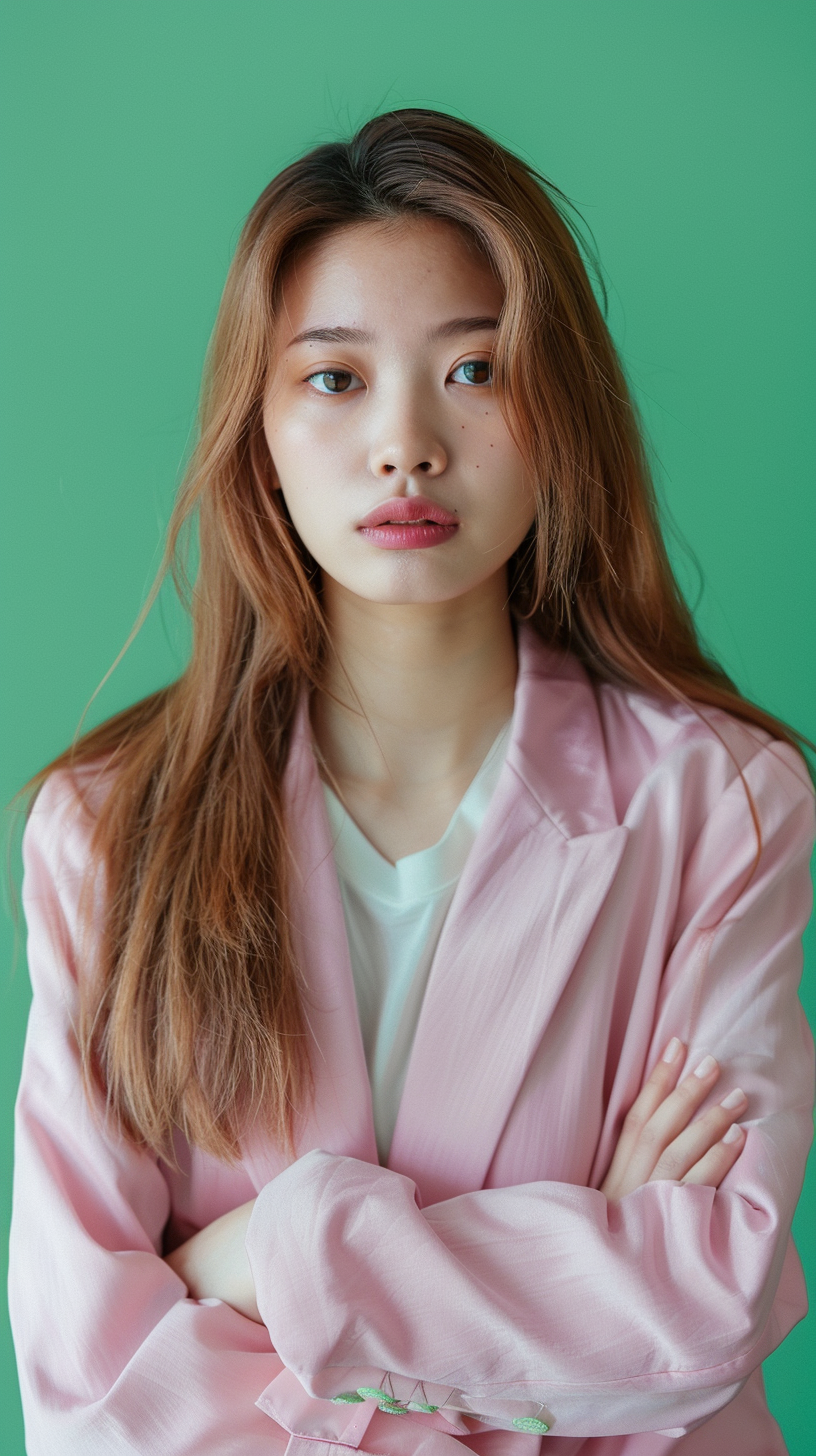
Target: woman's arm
[
  {"x": 661, "y": 1138},
  {"x": 648, "y": 1313},
  {"x": 214, "y": 1263},
  {"x": 113, "y": 1356}
]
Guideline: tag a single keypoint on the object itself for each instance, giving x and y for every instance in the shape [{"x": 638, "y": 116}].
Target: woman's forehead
[{"x": 406, "y": 274}]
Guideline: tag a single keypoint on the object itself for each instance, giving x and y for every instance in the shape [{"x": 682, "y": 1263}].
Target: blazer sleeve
[
  {"x": 113, "y": 1357},
  {"x": 543, "y": 1298}
]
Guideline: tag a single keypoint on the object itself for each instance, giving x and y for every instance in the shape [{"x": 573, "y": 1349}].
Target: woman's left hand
[
  {"x": 214, "y": 1264},
  {"x": 661, "y": 1138}
]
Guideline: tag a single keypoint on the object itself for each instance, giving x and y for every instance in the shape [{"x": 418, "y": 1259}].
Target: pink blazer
[{"x": 612, "y": 900}]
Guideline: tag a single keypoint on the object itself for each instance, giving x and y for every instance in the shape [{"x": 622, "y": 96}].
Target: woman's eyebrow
[
  {"x": 325, "y": 334},
  {"x": 464, "y": 326}
]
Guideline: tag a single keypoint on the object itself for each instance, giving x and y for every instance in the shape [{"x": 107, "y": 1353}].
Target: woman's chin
[{"x": 408, "y": 582}]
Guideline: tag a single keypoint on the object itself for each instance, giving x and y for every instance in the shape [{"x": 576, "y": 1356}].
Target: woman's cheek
[{"x": 316, "y": 508}]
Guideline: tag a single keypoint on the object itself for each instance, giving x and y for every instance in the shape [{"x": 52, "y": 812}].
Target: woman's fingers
[
  {"x": 660, "y": 1083},
  {"x": 655, "y": 1090},
  {"x": 695, "y": 1141},
  {"x": 719, "y": 1160},
  {"x": 661, "y": 1139},
  {"x": 668, "y": 1120}
]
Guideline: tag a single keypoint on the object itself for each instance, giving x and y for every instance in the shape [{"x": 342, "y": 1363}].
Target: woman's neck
[{"x": 414, "y": 698}]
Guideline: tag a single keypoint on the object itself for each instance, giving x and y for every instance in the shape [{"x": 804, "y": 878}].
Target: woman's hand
[
  {"x": 659, "y": 1138},
  {"x": 214, "y": 1264}
]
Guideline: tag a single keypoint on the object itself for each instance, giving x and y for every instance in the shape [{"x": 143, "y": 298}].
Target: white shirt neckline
[{"x": 426, "y": 871}]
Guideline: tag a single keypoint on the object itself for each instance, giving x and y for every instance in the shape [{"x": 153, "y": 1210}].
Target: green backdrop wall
[{"x": 136, "y": 138}]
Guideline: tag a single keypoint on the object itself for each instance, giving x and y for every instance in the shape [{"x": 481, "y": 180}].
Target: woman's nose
[{"x": 405, "y": 449}]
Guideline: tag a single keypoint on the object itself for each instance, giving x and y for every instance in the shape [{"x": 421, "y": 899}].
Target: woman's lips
[{"x": 407, "y": 523}]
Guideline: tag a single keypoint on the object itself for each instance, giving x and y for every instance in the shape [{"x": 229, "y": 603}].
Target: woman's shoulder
[
  {"x": 63, "y": 879},
  {"x": 62, "y": 817},
  {"x": 700, "y": 750},
  {"x": 647, "y": 733}
]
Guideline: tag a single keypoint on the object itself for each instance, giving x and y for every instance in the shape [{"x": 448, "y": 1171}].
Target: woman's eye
[
  {"x": 473, "y": 371},
  {"x": 333, "y": 381}
]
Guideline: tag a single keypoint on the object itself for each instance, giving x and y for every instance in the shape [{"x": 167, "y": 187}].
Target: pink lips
[{"x": 407, "y": 523}]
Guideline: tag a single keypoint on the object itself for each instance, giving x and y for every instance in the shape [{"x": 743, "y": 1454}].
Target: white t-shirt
[{"x": 394, "y": 914}]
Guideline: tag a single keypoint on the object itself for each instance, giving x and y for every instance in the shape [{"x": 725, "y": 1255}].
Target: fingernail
[
  {"x": 734, "y": 1098},
  {"x": 734, "y": 1133},
  {"x": 670, "y": 1054},
  {"x": 706, "y": 1067}
]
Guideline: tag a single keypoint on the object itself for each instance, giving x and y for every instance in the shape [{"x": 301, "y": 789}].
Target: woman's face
[{"x": 386, "y": 437}]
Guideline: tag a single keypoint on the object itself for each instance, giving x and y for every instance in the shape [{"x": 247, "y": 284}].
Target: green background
[{"x": 136, "y": 138}]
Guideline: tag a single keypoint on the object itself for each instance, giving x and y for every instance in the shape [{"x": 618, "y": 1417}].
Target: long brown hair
[{"x": 193, "y": 1018}]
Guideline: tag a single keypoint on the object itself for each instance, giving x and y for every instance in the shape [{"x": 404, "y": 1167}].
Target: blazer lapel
[{"x": 540, "y": 869}]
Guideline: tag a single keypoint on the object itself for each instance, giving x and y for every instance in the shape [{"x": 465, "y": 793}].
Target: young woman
[{"x": 415, "y": 1055}]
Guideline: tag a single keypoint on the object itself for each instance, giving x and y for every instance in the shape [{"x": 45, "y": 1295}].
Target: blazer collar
[
  {"x": 557, "y": 747},
  {"x": 556, "y": 750}
]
